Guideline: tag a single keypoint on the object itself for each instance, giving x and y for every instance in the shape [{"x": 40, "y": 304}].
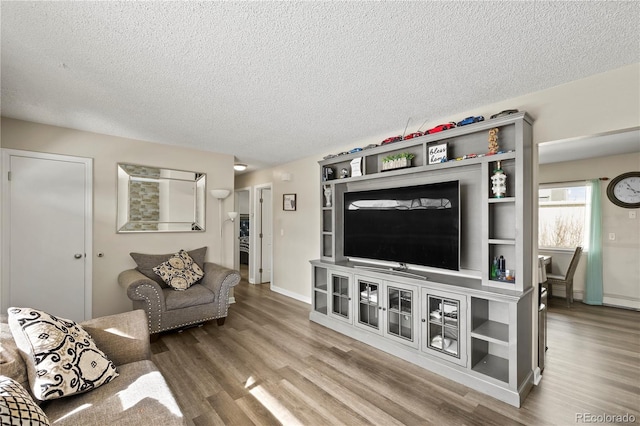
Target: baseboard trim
[
  {"x": 537, "y": 376},
  {"x": 291, "y": 294},
  {"x": 619, "y": 302},
  {"x": 614, "y": 301}
]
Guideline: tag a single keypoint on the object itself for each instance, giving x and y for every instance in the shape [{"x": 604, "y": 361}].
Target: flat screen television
[{"x": 417, "y": 225}]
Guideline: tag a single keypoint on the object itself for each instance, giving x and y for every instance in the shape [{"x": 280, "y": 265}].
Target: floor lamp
[{"x": 220, "y": 195}]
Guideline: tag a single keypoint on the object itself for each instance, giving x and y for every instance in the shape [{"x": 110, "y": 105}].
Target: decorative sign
[
  {"x": 356, "y": 169},
  {"x": 289, "y": 202},
  {"x": 437, "y": 153}
]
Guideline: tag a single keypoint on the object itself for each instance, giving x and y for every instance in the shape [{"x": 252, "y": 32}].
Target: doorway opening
[{"x": 242, "y": 232}]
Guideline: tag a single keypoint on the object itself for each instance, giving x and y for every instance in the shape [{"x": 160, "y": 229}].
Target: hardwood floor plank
[
  {"x": 360, "y": 405},
  {"x": 227, "y": 409},
  {"x": 334, "y": 410}
]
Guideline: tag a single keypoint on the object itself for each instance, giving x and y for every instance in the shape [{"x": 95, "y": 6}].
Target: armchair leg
[{"x": 221, "y": 320}]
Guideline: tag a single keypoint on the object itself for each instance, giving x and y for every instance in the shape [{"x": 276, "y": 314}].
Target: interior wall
[
  {"x": 597, "y": 104},
  {"x": 621, "y": 269},
  {"x": 107, "y": 151}
]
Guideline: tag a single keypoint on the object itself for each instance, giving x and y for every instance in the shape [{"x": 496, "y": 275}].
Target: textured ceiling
[{"x": 271, "y": 82}]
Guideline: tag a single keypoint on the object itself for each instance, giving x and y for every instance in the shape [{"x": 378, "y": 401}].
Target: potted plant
[{"x": 397, "y": 161}]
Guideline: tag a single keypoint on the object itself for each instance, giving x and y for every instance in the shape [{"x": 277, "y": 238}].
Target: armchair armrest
[
  {"x": 219, "y": 279},
  {"x": 124, "y": 338},
  {"x": 145, "y": 293}
]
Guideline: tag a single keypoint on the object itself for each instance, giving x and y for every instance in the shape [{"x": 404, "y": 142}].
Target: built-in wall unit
[{"x": 430, "y": 258}]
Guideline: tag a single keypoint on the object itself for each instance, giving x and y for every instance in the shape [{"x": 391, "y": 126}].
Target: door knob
[{"x": 77, "y": 255}]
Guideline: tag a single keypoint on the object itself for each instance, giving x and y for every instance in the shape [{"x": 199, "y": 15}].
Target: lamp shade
[
  {"x": 233, "y": 215},
  {"x": 220, "y": 194}
]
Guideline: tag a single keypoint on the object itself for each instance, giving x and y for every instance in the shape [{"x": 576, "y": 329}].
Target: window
[{"x": 563, "y": 215}]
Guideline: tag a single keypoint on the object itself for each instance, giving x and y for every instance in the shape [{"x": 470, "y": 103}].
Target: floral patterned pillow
[
  {"x": 62, "y": 358},
  {"x": 180, "y": 271}
]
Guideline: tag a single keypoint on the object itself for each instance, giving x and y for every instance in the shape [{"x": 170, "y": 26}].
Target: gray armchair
[{"x": 169, "y": 309}]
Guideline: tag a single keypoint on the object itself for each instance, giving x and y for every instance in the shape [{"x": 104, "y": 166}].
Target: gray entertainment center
[{"x": 464, "y": 324}]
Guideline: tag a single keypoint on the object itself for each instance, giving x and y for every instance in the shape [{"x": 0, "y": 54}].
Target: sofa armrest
[
  {"x": 124, "y": 338},
  {"x": 219, "y": 279}
]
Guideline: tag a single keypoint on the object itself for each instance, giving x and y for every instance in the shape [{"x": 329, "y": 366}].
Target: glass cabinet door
[
  {"x": 320, "y": 290},
  {"x": 340, "y": 296},
  {"x": 445, "y": 331},
  {"x": 369, "y": 303},
  {"x": 443, "y": 325},
  {"x": 401, "y": 322}
]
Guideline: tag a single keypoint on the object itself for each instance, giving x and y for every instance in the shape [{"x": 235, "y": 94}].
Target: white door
[
  {"x": 267, "y": 235},
  {"x": 47, "y": 233},
  {"x": 261, "y": 236}
]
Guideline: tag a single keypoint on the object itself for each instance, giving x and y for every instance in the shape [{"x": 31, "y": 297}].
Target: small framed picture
[
  {"x": 289, "y": 202},
  {"x": 437, "y": 153}
]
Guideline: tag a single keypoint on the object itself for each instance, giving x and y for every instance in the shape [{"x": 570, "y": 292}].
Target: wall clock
[{"x": 624, "y": 190}]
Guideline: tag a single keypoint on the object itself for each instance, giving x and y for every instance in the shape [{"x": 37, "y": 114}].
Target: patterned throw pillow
[
  {"x": 63, "y": 358},
  {"x": 180, "y": 271},
  {"x": 17, "y": 407}
]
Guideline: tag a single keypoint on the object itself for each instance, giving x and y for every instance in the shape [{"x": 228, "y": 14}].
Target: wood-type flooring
[{"x": 269, "y": 365}]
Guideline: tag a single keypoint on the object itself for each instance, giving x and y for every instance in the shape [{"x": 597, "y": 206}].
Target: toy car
[
  {"x": 355, "y": 150},
  {"x": 413, "y": 135},
  {"x": 505, "y": 112},
  {"x": 371, "y": 145},
  {"x": 441, "y": 127},
  {"x": 391, "y": 140},
  {"x": 470, "y": 120}
]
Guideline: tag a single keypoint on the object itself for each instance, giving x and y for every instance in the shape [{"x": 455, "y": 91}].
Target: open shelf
[
  {"x": 502, "y": 241},
  {"x": 492, "y": 331},
  {"x": 502, "y": 200},
  {"x": 493, "y": 366}
]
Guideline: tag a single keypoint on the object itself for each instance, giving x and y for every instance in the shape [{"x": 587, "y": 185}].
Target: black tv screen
[{"x": 417, "y": 225}]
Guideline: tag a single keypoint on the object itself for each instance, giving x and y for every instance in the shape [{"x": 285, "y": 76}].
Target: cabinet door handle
[
  {"x": 77, "y": 256},
  {"x": 424, "y": 320},
  {"x": 384, "y": 309}
]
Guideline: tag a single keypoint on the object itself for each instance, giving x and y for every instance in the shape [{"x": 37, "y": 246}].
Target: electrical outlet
[{"x": 612, "y": 236}]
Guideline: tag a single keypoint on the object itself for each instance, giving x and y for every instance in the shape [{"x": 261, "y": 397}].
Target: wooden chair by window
[{"x": 567, "y": 279}]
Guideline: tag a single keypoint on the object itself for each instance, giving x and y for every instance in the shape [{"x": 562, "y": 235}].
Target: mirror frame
[{"x": 127, "y": 173}]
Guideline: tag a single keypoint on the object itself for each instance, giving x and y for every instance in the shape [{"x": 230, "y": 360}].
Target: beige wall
[
  {"x": 621, "y": 268},
  {"x": 598, "y": 104},
  {"x": 107, "y": 151}
]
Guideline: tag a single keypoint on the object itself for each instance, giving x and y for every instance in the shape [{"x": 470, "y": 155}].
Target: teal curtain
[{"x": 593, "y": 287}]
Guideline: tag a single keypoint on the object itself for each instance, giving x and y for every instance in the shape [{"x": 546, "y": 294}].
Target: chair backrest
[
  {"x": 542, "y": 270},
  {"x": 574, "y": 264}
]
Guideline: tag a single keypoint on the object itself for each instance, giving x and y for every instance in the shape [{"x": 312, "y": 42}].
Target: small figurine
[
  {"x": 499, "y": 182},
  {"x": 327, "y": 196},
  {"x": 493, "y": 141},
  {"x": 327, "y": 173},
  {"x": 344, "y": 173}
]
